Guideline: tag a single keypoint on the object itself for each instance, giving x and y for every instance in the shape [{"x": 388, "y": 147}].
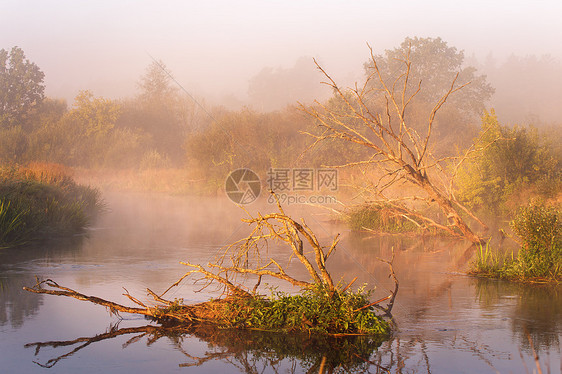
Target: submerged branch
[{"x": 63, "y": 291}]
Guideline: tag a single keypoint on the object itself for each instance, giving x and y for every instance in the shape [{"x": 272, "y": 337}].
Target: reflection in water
[
  {"x": 260, "y": 351},
  {"x": 248, "y": 351},
  {"x": 447, "y": 322},
  {"x": 537, "y": 311},
  {"x": 15, "y": 304}
]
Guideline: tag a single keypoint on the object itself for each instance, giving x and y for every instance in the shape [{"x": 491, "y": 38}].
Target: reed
[{"x": 381, "y": 219}]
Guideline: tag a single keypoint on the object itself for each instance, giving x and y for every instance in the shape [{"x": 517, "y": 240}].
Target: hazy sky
[{"x": 214, "y": 47}]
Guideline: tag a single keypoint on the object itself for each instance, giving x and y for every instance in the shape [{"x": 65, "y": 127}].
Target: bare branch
[{"x": 398, "y": 145}]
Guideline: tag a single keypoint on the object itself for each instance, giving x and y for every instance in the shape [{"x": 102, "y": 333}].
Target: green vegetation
[
  {"x": 316, "y": 310},
  {"x": 540, "y": 229},
  {"x": 539, "y": 259},
  {"x": 41, "y": 202},
  {"x": 380, "y": 218},
  {"x": 513, "y": 164}
]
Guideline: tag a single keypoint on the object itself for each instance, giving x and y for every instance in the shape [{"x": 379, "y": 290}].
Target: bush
[
  {"x": 512, "y": 164},
  {"x": 315, "y": 310},
  {"x": 540, "y": 230},
  {"x": 540, "y": 257}
]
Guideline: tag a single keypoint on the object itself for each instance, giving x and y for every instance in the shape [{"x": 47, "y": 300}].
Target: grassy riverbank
[
  {"x": 41, "y": 201},
  {"x": 539, "y": 259}
]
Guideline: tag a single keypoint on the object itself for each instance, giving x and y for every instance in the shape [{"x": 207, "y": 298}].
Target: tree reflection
[
  {"x": 247, "y": 350},
  {"x": 15, "y": 304},
  {"x": 537, "y": 312}
]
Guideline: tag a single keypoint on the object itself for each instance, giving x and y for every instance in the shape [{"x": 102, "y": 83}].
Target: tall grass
[
  {"x": 42, "y": 202},
  {"x": 493, "y": 263},
  {"x": 539, "y": 229},
  {"x": 12, "y": 224}
]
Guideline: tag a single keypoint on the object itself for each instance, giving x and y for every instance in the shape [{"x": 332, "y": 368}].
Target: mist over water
[
  {"x": 156, "y": 103},
  {"x": 439, "y": 311}
]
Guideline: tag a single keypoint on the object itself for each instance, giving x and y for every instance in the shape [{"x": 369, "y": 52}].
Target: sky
[{"x": 214, "y": 47}]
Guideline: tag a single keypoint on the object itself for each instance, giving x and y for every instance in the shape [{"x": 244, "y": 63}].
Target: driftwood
[
  {"x": 164, "y": 311},
  {"x": 244, "y": 257}
]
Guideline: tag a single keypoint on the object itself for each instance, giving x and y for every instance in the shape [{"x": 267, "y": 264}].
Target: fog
[{"x": 215, "y": 48}]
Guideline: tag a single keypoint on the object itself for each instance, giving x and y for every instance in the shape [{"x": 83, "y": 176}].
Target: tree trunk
[{"x": 445, "y": 204}]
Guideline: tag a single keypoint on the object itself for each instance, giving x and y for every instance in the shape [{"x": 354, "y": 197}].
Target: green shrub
[
  {"x": 315, "y": 310},
  {"x": 512, "y": 163},
  {"x": 540, "y": 230}
]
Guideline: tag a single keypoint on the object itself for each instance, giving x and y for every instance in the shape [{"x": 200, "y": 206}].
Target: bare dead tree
[
  {"x": 403, "y": 154},
  {"x": 247, "y": 256}
]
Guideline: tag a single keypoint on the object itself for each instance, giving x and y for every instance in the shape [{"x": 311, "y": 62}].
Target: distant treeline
[{"x": 162, "y": 127}]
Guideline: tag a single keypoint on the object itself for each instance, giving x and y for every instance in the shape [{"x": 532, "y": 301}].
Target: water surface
[{"x": 446, "y": 321}]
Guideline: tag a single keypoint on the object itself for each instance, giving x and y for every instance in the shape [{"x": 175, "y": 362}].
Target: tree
[
  {"x": 160, "y": 111},
  {"x": 434, "y": 66},
  {"x": 81, "y": 136},
  {"x": 510, "y": 160},
  {"x": 401, "y": 153},
  {"x": 272, "y": 89},
  {"x": 21, "y": 87},
  {"x": 155, "y": 83},
  {"x": 95, "y": 116}
]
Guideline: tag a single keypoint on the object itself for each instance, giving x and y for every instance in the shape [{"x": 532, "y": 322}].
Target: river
[{"x": 446, "y": 321}]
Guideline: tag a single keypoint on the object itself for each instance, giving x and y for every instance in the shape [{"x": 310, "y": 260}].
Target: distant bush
[
  {"x": 154, "y": 160},
  {"x": 42, "y": 202}
]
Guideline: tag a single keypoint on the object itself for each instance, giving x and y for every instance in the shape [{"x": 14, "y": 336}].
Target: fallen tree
[
  {"x": 375, "y": 116},
  {"x": 322, "y": 306}
]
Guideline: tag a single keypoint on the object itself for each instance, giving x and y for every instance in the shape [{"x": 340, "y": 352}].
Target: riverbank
[{"x": 42, "y": 201}]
